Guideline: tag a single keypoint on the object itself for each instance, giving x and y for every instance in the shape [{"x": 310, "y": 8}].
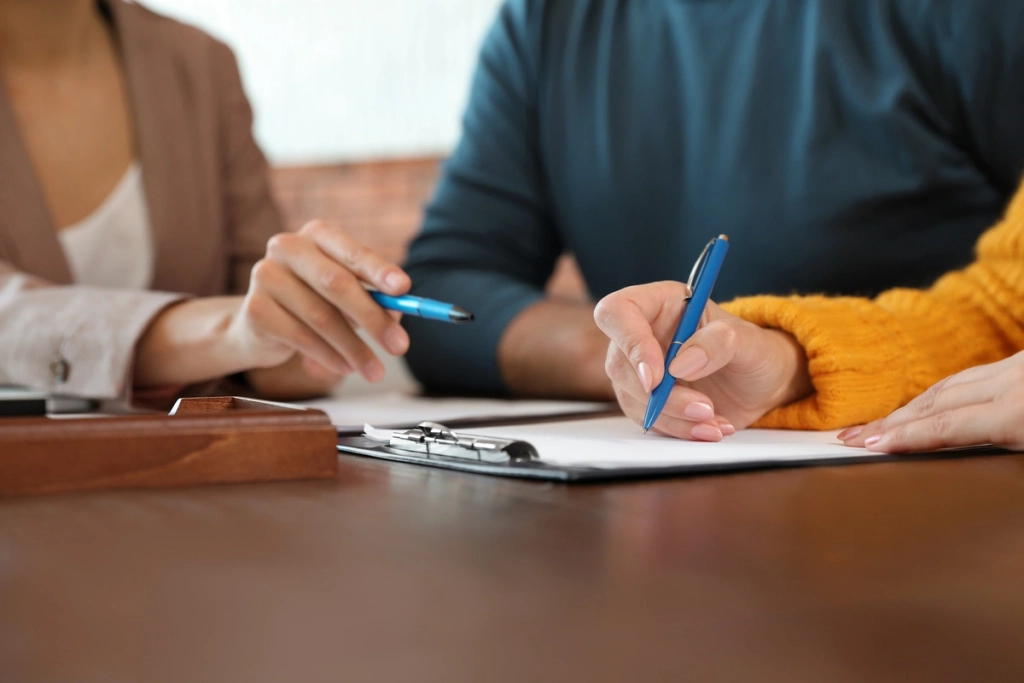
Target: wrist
[
  {"x": 190, "y": 342},
  {"x": 215, "y": 321},
  {"x": 234, "y": 337},
  {"x": 795, "y": 383}
]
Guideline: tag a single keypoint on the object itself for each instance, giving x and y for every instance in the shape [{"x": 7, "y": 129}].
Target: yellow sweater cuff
[{"x": 861, "y": 363}]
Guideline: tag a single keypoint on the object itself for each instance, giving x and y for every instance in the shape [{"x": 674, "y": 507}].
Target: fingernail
[
  {"x": 373, "y": 371},
  {"x": 727, "y": 429},
  {"x": 396, "y": 341},
  {"x": 850, "y": 433},
  {"x": 872, "y": 440},
  {"x": 646, "y": 376},
  {"x": 689, "y": 362},
  {"x": 706, "y": 432},
  {"x": 395, "y": 280},
  {"x": 699, "y": 411}
]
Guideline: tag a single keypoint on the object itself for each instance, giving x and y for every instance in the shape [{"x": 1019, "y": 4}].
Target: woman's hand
[
  {"x": 298, "y": 379},
  {"x": 982, "y": 405},
  {"x": 294, "y": 332},
  {"x": 306, "y": 297},
  {"x": 732, "y": 372}
]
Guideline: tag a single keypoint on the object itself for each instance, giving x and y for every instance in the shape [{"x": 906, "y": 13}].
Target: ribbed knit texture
[{"x": 869, "y": 357}]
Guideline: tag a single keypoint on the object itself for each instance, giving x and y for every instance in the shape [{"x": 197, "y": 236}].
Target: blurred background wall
[{"x": 344, "y": 80}]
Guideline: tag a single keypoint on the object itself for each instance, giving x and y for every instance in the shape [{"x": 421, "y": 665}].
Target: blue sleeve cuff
[{"x": 463, "y": 359}]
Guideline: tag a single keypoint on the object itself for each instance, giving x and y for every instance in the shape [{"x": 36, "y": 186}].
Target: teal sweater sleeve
[{"x": 487, "y": 243}]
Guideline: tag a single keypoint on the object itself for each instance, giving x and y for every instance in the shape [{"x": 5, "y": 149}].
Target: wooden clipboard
[{"x": 203, "y": 441}]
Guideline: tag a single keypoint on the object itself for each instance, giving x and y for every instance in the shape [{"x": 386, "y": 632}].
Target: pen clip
[{"x": 698, "y": 266}]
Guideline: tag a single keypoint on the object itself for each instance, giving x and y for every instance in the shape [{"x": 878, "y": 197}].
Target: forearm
[
  {"x": 555, "y": 349},
  {"x": 189, "y": 342}
]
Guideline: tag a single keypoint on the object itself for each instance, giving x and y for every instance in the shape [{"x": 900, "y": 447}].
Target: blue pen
[
  {"x": 423, "y": 308},
  {"x": 702, "y": 281}
]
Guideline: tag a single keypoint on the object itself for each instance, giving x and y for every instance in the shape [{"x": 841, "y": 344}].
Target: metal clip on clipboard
[{"x": 433, "y": 439}]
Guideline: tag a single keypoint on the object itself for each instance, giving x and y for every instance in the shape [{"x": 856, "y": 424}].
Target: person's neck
[{"x": 48, "y": 33}]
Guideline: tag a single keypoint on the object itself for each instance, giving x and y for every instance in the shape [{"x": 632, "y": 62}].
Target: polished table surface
[{"x": 884, "y": 572}]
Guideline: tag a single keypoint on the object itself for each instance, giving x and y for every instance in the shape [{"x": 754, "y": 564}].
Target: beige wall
[{"x": 339, "y": 80}]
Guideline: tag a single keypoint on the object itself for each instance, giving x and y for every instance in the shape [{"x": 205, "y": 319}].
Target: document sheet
[
  {"x": 394, "y": 410},
  {"x": 617, "y": 442}
]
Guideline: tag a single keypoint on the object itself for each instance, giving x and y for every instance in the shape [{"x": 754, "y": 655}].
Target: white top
[{"x": 113, "y": 246}]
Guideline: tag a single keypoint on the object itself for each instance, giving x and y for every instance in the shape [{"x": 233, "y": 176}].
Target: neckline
[
  {"x": 129, "y": 182},
  {"x": 28, "y": 233}
]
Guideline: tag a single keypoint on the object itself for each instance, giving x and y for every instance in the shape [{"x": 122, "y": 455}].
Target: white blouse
[{"x": 113, "y": 246}]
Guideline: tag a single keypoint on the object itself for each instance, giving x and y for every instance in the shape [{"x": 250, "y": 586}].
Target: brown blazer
[{"x": 209, "y": 204}]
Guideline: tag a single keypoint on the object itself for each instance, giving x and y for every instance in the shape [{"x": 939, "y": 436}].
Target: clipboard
[{"x": 434, "y": 445}]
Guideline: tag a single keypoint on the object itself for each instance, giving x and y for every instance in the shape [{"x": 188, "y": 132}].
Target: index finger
[
  {"x": 363, "y": 262},
  {"x": 633, "y": 317},
  {"x": 972, "y": 425},
  {"x": 942, "y": 397}
]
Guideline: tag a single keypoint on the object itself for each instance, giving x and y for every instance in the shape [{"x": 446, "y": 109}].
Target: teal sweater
[{"x": 845, "y": 146}]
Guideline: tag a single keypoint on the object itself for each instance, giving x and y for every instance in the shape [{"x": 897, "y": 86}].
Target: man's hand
[
  {"x": 982, "y": 405},
  {"x": 731, "y": 371}
]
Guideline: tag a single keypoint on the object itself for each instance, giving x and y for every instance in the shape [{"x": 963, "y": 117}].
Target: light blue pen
[
  {"x": 423, "y": 308},
  {"x": 702, "y": 281}
]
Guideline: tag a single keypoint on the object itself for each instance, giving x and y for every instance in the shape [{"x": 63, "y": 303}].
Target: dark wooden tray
[{"x": 203, "y": 441}]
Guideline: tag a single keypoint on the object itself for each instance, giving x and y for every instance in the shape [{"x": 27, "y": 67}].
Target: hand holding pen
[
  {"x": 724, "y": 377},
  {"x": 702, "y": 280},
  {"x": 308, "y": 296}
]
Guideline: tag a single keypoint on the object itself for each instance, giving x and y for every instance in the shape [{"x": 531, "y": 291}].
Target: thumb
[
  {"x": 725, "y": 340},
  {"x": 710, "y": 349},
  {"x": 635, "y": 318}
]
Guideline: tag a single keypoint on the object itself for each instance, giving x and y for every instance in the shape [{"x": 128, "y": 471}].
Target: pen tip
[
  {"x": 646, "y": 430},
  {"x": 457, "y": 314}
]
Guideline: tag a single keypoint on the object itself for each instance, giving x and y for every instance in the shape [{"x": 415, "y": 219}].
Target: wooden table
[{"x": 891, "y": 572}]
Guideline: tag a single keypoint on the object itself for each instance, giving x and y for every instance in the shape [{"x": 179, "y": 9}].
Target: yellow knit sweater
[{"x": 868, "y": 357}]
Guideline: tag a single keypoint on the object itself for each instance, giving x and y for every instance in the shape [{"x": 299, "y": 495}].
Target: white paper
[
  {"x": 19, "y": 393},
  {"x": 617, "y": 442},
  {"x": 399, "y": 410},
  {"x": 382, "y": 435}
]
